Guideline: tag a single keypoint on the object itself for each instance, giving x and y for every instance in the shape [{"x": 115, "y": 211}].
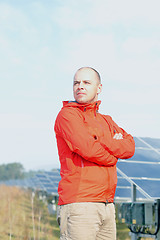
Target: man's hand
[{"x": 118, "y": 136}]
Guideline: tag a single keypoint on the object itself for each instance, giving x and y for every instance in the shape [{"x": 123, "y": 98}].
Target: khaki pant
[{"x": 87, "y": 221}]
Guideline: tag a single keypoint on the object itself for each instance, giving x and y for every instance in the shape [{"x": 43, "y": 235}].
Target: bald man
[{"x": 89, "y": 145}]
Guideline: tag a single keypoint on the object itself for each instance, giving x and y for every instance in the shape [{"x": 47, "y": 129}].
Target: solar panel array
[
  {"x": 142, "y": 170},
  {"x": 46, "y": 181},
  {"x": 49, "y": 181}
]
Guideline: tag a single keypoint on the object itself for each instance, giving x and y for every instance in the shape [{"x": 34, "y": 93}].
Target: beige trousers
[{"x": 87, "y": 221}]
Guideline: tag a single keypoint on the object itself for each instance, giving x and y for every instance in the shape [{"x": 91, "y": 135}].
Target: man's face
[{"x": 86, "y": 86}]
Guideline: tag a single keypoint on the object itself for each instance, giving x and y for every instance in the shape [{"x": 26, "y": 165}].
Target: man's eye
[{"x": 87, "y": 82}]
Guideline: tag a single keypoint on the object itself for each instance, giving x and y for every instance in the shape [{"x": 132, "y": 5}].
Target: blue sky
[{"x": 43, "y": 43}]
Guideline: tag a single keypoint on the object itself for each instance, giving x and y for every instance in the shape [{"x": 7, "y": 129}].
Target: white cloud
[
  {"x": 124, "y": 12},
  {"x": 102, "y": 13},
  {"x": 131, "y": 62},
  {"x": 13, "y": 19},
  {"x": 141, "y": 46},
  {"x": 91, "y": 49},
  {"x": 140, "y": 125},
  {"x": 20, "y": 121}
]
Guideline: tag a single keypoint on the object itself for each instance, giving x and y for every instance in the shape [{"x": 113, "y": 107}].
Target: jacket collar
[{"x": 83, "y": 106}]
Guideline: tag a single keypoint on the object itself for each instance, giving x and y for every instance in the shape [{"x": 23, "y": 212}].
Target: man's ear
[{"x": 99, "y": 90}]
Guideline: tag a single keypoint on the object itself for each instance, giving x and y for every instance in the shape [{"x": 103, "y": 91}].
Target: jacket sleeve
[
  {"x": 70, "y": 126},
  {"x": 120, "y": 148}
]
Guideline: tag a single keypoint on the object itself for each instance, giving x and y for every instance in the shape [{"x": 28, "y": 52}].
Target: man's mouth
[{"x": 80, "y": 93}]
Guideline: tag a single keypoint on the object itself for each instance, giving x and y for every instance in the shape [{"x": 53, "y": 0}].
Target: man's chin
[
  {"x": 84, "y": 101},
  {"x": 81, "y": 101}
]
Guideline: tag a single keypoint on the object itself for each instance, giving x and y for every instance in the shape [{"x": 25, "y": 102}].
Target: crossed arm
[
  {"x": 70, "y": 126},
  {"x": 122, "y": 145}
]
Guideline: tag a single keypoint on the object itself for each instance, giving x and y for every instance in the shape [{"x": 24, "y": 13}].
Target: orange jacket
[{"x": 88, "y": 153}]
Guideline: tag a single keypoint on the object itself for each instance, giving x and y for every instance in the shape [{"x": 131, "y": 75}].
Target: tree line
[{"x": 11, "y": 171}]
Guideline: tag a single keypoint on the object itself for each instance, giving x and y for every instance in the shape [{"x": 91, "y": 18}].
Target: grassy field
[
  {"x": 23, "y": 216},
  {"x": 122, "y": 232}
]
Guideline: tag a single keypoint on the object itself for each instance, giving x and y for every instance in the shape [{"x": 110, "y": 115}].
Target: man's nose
[{"x": 81, "y": 85}]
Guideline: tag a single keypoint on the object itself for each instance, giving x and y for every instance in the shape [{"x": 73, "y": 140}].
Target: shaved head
[{"x": 90, "y": 69}]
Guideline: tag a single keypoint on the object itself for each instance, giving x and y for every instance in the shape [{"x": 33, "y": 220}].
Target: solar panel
[
  {"x": 139, "y": 143},
  {"x": 154, "y": 142},
  {"x": 134, "y": 169},
  {"x": 42, "y": 175},
  {"x": 47, "y": 185},
  {"x": 150, "y": 186},
  {"x": 56, "y": 178},
  {"x": 122, "y": 182},
  {"x": 46, "y": 181},
  {"x": 146, "y": 155},
  {"x": 53, "y": 173},
  {"x": 49, "y": 181},
  {"x": 143, "y": 170}
]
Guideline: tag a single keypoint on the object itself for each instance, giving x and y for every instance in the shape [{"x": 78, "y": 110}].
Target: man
[{"x": 89, "y": 145}]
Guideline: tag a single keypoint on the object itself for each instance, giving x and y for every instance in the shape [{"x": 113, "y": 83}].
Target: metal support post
[
  {"x": 133, "y": 236},
  {"x": 158, "y": 236},
  {"x": 133, "y": 199},
  {"x": 133, "y": 192},
  {"x": 158, "y": 219}
]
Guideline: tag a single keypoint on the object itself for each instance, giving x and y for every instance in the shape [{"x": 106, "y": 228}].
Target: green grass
[
  {"x": 18, "y": 220},
  {"x": 122, "y": 232}
]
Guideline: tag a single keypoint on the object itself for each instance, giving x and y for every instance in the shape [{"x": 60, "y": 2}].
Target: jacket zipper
[{"x": 82, "y": 163}]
